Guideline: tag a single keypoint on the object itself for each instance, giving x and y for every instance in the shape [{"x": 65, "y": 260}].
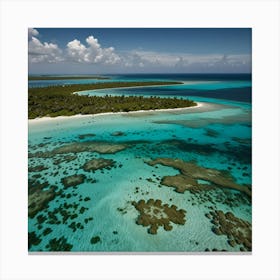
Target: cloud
[
  {"x": 185, "y": 61},
  {"x": 99, "y": 58},
  {"x": 32, "y": 32},
  {"x": 43, "y": 52},
  {"x": 93, "y": 53},
  {"x": 149, "y": 59},
  {"x": 76, "y": 51}
]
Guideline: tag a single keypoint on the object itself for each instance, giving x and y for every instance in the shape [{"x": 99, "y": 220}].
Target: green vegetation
[
  {"x": 59, "y": 101},
  {"x": 40, "y": 78}
]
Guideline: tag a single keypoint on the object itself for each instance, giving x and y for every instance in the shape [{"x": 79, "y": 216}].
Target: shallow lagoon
[{"x": 216, "y": 136}]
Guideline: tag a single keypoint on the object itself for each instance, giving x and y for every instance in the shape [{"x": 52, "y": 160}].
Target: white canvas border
[{"x": 262, "y": 16}]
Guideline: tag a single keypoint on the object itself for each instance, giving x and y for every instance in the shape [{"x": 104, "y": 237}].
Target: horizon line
[{"x": 141, "y": 73}]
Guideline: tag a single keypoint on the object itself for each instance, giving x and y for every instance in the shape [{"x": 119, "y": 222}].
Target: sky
[{"x": 139, "y": 50}]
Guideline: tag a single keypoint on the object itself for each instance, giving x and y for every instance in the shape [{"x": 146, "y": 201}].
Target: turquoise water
[
  {"x": 216, "y": 136},
  {"x": 201, "y": 85},
  {"x": 199, "y": 82},
  {"x": 45, "y": 83},
  {"x": 213, "y": 85}
]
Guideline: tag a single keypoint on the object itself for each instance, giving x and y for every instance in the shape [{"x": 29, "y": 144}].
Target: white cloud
[
  {"x": 149, "y": 58},
  {"x": 185, "y": 61},
  {"x": 96, "y": 56},
  {"x": 43, "y": 52},
  {"x": 93, "y": 53},
  {"x": 76, "y": 51},
  {"x": 32, "y": 32}
]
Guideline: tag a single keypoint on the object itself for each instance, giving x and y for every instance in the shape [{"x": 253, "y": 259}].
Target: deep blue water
[{"x": 187, "y": 77}]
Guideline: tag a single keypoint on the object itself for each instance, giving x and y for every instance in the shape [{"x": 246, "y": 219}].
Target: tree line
[{"x": 60, "y": 101}]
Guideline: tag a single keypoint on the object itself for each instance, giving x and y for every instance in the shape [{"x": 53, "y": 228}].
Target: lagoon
[{"x": 99, "y": 213}]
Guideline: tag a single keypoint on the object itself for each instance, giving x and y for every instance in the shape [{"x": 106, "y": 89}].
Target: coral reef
[
  {"x": 78, "y": 147},
  {"x": 59, "y": 245},
  {"x": 182, "y": 183},
  {"x": 37, "y": 168},
  {"x": 38, "y": 197},
  {"x": 90, "y": 146},
  {"x": 47, "y": 231},
  {"x": 238, "y": 231},
  {"x": 155, "y": 214},
  {"x": 216, "y": 196},
  {"x": 66, "y": 214},
  {"x": 33, "y": 239},
  {"x": 64, "y": 158},
  {"x": 95, "y": 239},
  {"x": 190, "y": 173},
  {"x": 73, "y": 180},
  {"x": 98, "y": 163},
  {"x": 240, "y": 153}
]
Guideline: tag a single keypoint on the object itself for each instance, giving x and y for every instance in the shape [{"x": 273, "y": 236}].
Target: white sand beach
[
  {"x": 60, "y": 118},
  {"x": 147, "y": 86}
]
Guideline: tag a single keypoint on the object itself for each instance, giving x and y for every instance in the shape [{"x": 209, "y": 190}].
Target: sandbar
[{"x": 180, "y": 83}]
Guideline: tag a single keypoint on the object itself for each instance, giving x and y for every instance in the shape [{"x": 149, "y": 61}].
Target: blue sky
[{"x": 139, "y": 50}]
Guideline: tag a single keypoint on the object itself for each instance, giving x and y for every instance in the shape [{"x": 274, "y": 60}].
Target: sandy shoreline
[
  {"x": 140, "y": 86},
  {"x": 60, "y": 118},
  {"x": 145, "y": 86}
]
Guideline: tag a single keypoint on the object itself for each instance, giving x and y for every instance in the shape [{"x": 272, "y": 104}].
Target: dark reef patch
[
  {"x": 39, "y": 197},
  {"x": 64, "y": 213},
  {"x": 64, "y": 158},
  {"x": 90, "y": 146},
  {"x": 182, "y": 183},
  {"x": 238, "y": 231},
  {"x": 228, "y": 197},
  {"x": 240, "y": 153},
  {"x": 79, "y": 147},
  {"x": 155, "y": 214},
  {"x": 33, "y": 239},
  {"x": 59, "y": 245},
  {"x": 190, "y": 173},
  {"x": 37, "y": 168},
  {"x": 98, "y": 163},
  {"x": 73, "y": 180},
  {"x": 47, "y": 231},
  {"x": 95, "y": 239},
  {"x": 186, "y": 146}
]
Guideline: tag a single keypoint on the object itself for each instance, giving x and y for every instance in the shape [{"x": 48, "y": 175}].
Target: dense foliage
[{"x": 59, "y": 101}]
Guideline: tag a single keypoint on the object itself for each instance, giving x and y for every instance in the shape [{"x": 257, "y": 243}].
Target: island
[
  {"x": 56, "y": 101},
  {"x": 46, "y": 78}
]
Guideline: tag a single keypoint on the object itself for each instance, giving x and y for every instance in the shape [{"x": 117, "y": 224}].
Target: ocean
[{"x": 167, "y": 181}]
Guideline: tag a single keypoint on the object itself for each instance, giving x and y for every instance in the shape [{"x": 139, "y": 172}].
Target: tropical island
[
  {"x": 47, "y": 77},
  {"x": 56, "y": 101}
]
